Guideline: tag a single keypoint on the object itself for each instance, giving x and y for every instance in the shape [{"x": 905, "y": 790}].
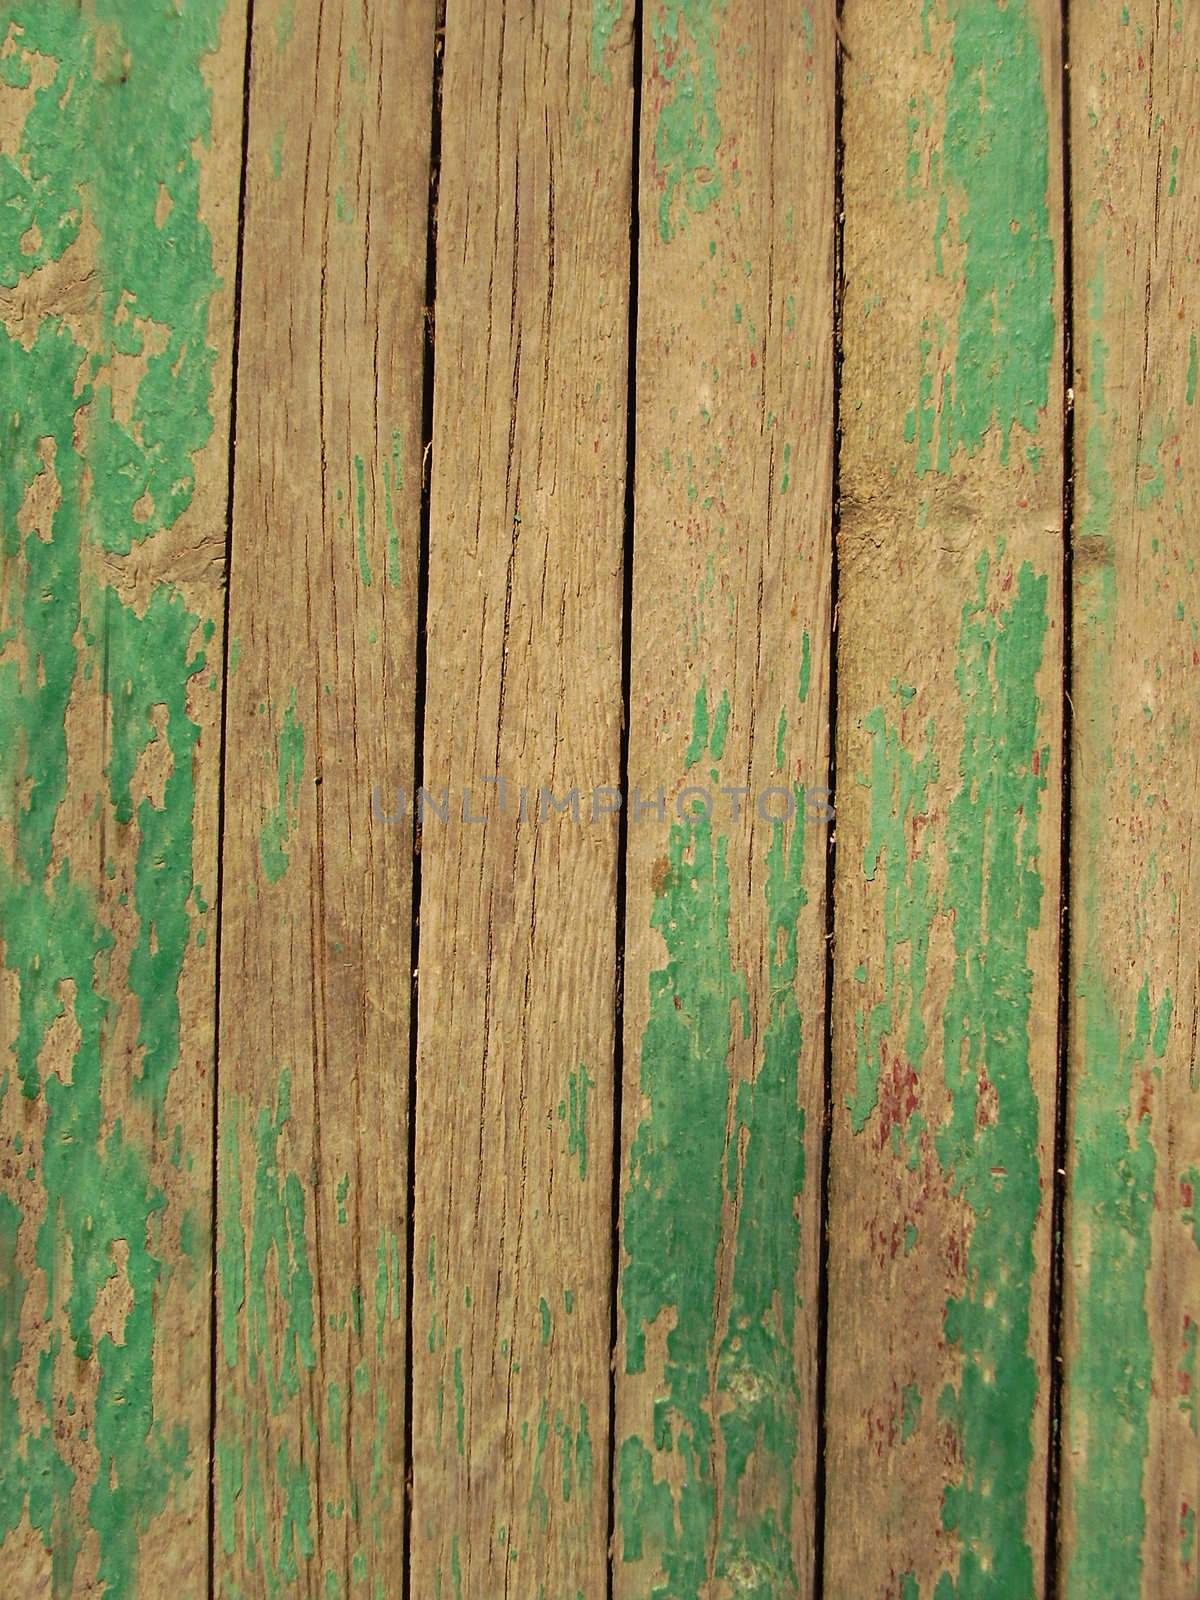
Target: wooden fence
[{"x": 600, "y": 725}]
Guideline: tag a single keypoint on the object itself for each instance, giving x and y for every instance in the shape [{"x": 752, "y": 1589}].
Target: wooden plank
[
  {"x": 513, "y": 1243},
  {"x": 1131, "y": 1467},
  {"x": 317, "y": 884},
  {"x": 725, "y": 951},
  {"x": 949, "y": 801},
  {"x": 120, "y": 135}
]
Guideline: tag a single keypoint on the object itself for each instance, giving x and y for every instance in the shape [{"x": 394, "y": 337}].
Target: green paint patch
[
  {"x": 360, "y": 492},
  {"x": 281, "y": 823},
  {"x": 1114, "y": 1165},
  {"x": 989, "y": 1146},
  {"x": 1189, "y": 1402},
  {"x": 231, "y": 1248},
  {"x": 682, "y": 1170},
  {"x": 994, "y": 163},
  {"x": 910, "y": 1411},
  {"x": 117, "y": 471},
  {"x": 605, "y": 16},
  {"x": 148, "y": 667},
  {"x": 1151, "y": 475},
  {"x": 460, "y": 1409},
  {"x": 688, "y": 135},
  {"x": 269, "y": 1337},
  {"x": 1114, "y": 1205},
  {"x": 700, "y": 729},
  {"x": 573, "y": 1110},
  {"x": 285, "y": 24},
  {"x": 720, "y": 727},
  {"x": 277, "y": 1236},
  {"x": 393, "y": 484}
]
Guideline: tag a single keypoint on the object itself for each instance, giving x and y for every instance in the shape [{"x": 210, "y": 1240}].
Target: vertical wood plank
[
  {"x": 949, "y": 801},
  {"x": 1131, "y": 1463},
  {"x": 120, "y": 137},
  {"x": 317, "y": 904},
  {"x": 729, "y": 706},
  {"x": 513, "y": 1245}
]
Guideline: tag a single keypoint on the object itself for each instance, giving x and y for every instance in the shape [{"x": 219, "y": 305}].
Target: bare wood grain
[
  {"x": 513, "y": 1246},
  {"x": 1131, "y": 1463},
  {"x": 725, "y": 952},
  {"x": 949, "y": 736},
  {"x": 317, "y": 911}
]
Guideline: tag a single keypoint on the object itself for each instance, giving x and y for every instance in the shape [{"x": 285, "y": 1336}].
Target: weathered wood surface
[
  {"x": 116, "y": 299},
  {"x": 1131, "y": 1469},
  {"x": 513, "y": 1251},
  {"x": 729, "y": 722},
  {"x": 948, "y": 802},
  {"x": 725, "y": 1262},
  {"x": 313, "y": 1179}
]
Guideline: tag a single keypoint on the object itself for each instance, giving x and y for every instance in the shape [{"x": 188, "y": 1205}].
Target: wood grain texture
[
  {"x": 1131, "y": 1468},
  {"x": 119, "y": 137},
  {"x": 949, "y": 801},
  {"x": 513, "y": 1246},
  {"x": 313, "y": 1177},
  {"x": 729, "y": 708}
]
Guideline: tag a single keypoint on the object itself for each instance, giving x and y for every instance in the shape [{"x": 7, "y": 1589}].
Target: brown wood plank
[
  {"x": 317, "y": 904},
  {"x": 725, "y": 950},
  {"x": 513, "y": 1246},
  {"x": 949, "y": 801},
  {"x": 1131, "y": 1463},
  {"x": 120, "y": 135}
]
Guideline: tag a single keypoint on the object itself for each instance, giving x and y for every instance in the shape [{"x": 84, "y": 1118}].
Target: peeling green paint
[
  {"x": 460, "y": 1412},
  {"x": 680, "y": 1171},
  {"x": 278, "y": 1234},
  {"x": 1112, "y": 1210},
  {"x": 111, "y": 427},
  {"x": 700, "y": 728},
  {"x": 267, "y": 1491},
  {"x": 393, "y": 484},
  {"x": 995, "y": 167},
  {"x": 994, "y": 892},
  {"x": 573, "y": 1110},
  {"x": 605, "y": 16},
  {"x": 910, "y": 1411},
  {"x": 281, "y": 822},
  {"x": 988, "y": 1148},
  {"x": 360, "y": 505},
  {"x": 688, "y": 135},
  {"x": 1111, "y": 1205},
  {"x": 148, "y": 665},
  {"x": 756, "y": 1367}
]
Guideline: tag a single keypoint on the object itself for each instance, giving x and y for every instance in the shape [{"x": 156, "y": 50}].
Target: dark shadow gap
[
  {"x": 623, "y": 781},
  {"x": 418, "y": 766},
  {"x": 214, "y": 1169},
  {"x": 820, "y": 1487},
  {"x": 1062, "y": 1071}
]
